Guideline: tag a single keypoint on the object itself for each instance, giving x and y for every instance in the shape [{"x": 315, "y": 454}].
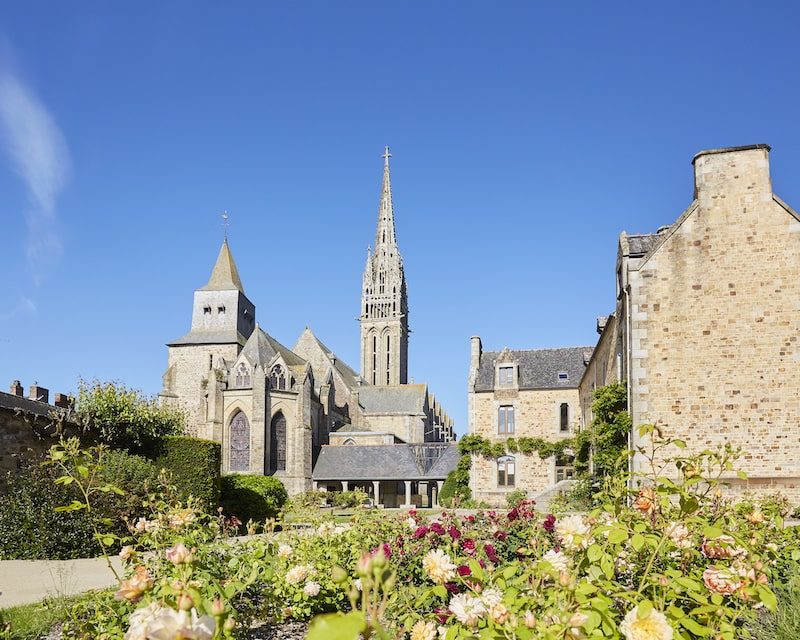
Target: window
[
  {"x": 505, "y": 376},
  {"x": 277, "y": 378},
  {"x": 374, "y": 359},
  {"x": 242, "y": 376},
  {"x": 563, "y": 375},
  {"x": 388, "y": 359},
  {"x": 506, "y": 471},
  {"x": 207, "y": 310},
  {"x": 505, "y": 419},
  {"x": 564, "y": 417},
  {"x": 564, "y": 468},
  {"x": 221, "y": 308},
  {"x": 277, "y": 443},
  {"x": 239, "y": 447}
]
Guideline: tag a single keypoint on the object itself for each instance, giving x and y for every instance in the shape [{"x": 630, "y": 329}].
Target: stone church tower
[{"x": 384, "y": 302}]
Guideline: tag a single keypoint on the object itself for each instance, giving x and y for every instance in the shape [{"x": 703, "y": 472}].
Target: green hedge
[
  {"x": 254, "y": 498},
  {"x": 455, "y": 490},
  {"x": 194, "y": 465}
]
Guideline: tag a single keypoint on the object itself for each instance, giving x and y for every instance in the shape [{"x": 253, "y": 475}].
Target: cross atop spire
[
  {"x": 225, "y": 224},
  {"x": 386, "y": 156}
]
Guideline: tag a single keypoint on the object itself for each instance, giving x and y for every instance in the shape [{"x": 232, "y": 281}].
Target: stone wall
[
  {"x": 601, "y": 370},
  {"x": 715, "y": 320}
]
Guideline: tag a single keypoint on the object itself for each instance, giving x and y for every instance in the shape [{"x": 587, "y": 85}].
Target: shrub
[
  {"x": 515, "y": 497},
  {"x": 122, "y": 418},
  {"x": 30, "y": 527},
  {"x": 250, "y": 497},
  {"x": 348, "y": 499},
  {"x": 136, "y": 476},
  {"x": 455, "y": 490},
  {"x": 194, "y": 465},
  {"x": 308, "y": 500}
]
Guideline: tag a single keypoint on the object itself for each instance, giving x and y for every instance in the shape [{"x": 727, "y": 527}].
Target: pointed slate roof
[
  {"x": 382, "y": 462},
  {"x": 224, "y": 275},
  {"x": 402, "y": 399},
  {"x": 261, "y": 348},
  {"x": 348, "y": 376},
  {"x": 538, "y": 368}
]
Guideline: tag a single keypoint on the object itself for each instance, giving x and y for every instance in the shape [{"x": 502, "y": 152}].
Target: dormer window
[
  {"x": 277, "y": 378},
  {"x": 207, "y": 310},
  {"x": 221, "y": 308},
  {"x": 563, "y": 375},
  {"x": 505, "y": 376}
]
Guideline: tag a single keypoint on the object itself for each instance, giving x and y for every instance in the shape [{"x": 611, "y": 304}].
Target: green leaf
[
  {"x": 767, "y": 597},
  {"x": 712, "y": 532},
  {"x": 695, "y": 627},
  {"x": 644, "y": 609},
  {"x": 439, "y": 591},
  {"x": 64, "y": 480},
  {"x": 509, "y": 571},
  {"x": 594, "y": 552},
  {"x": 637, "y": 541},
  {"x": 337, "y": 626},
  {"x": 617, "y": 535},
  {"x": 679, "y": 443},
  {"x": 84, "y": 471}
]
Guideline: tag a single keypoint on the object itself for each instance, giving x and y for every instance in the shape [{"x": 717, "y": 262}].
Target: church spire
[
  {"x": 384, "y": 236},
  {"x": 224, "y": 275}
]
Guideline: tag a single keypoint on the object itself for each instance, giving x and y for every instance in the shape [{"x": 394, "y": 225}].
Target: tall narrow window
[
  {"x": 506, "y": 471},
  {"x": 505, "y": 376},
  {"x": 381, "y": 282},
  {"x": 239, "y": 443},
  {"x": 277, "y": 443},
  {"x": 505, "y": 419},
  {"x": 564, "y": 417},
  {"x": 277, "y": 378},
  {"x": 374, "y": 359},
  {"x": 388, "y": 359},
  {"x": 242, "y": 376}
]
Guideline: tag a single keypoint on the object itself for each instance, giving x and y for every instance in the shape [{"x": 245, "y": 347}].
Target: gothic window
[
  {"x": 277, "y": 378},
  {"x": 506, "y": 471},
  {"x": 388, "y": 359},
  {"x": 374, "y": 359},
  {"x": 242, "y": 376},
  {"x": 239, "y": 454},
  {"x": 563, "y": 418},
  {"x": 505, "y": 419},
  {"x": 277, "y": 443},
  {"x": 381, "y": 282},
  {"x": 505, "y": 376}
]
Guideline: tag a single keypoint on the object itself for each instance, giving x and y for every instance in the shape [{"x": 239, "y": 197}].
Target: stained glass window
[
  {"x": 240, "y": 443},
  {"x": 277, "y": 441}
]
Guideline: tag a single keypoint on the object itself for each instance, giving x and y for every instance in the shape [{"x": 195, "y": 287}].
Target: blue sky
[{"x": 525, "y": 137}]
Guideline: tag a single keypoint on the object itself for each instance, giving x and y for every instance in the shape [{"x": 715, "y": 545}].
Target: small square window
[
  {"x": 221, "y": 309},
  {"x": 505, "y": 376},
  {"x": 563, "y": 375},
  {"x": 207, "y": 310}
]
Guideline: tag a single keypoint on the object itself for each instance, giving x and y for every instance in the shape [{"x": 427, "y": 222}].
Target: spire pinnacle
[
  {"x": 224, "y": 275},
  {"x": 385, "y": 234}
]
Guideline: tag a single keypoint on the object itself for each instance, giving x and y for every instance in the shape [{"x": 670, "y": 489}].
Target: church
[{"x": 301, "y": 413}]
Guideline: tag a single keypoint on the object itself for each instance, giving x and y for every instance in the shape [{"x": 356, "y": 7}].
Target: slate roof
[
  {"x": 538, "y": 368},
  {"x": 224, "y": 275},
  {"x": 261, "y": 348},
  {"x": 11, "y": 402},
  {"x": 642, "y": 243},
  {"x": 227, "y": 336},
  {"x": 382, "y": 462},
  {"x": 349, "y": 376},
  {"x": 404, "y": 399}
]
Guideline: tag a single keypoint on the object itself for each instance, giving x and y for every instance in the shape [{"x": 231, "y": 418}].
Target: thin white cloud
[{"x": 38, "y": 153}]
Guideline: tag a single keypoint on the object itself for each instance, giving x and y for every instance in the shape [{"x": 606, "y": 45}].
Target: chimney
[
  {"x": 735, "y": 170},
  {"x": 16, "y": 389},
  {"x": 62, "y": 400},
  {"x": 38, "y": 393},
  {"x": 475, "y": 352}
]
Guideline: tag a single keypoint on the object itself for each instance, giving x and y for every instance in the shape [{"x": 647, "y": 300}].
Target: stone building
[
  {"x": 706, "y": 323},
  {"x": 286, "y": 411},
  {"x": 522, "y": 393}
]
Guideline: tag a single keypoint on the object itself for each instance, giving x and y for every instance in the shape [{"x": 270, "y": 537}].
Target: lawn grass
[{"x": 31, "y": 621}]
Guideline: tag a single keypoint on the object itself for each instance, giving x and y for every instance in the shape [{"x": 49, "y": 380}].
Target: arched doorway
[{"x": 277, "y": 443}]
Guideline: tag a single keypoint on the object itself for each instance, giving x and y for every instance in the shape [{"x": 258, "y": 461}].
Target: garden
[{"x": 652, "y": 557}]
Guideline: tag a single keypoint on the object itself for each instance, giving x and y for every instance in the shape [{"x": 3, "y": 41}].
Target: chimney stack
[
  {"x": 16, "y": 389},
  {"x": 475, "y": 352},
  {"x": 38, "y": 393},
  {"x": 720, "y": 173},
  {"x": 62, "y": 400}
]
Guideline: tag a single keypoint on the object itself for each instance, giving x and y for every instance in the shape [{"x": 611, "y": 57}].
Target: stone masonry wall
[{"x": 716, "y": 319}]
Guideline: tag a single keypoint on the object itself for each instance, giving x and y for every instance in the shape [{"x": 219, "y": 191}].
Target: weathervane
[{"x": 225, "y": 223}]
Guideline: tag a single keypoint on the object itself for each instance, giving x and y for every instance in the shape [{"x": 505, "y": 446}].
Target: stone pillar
[
  {"x": 439, "y": 484},
  {"x": 376, "y": 488},
  {"x": 408, "y": 494},
  {"x": 345, "y": 485}
]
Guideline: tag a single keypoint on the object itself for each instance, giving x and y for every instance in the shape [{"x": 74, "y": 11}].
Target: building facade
[
  {"x": 284, "y": 411},
  {"x": 707, "y": 320},
  {"x": 522, "y": 393}
]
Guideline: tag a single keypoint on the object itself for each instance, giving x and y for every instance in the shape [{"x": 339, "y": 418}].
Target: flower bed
[{"x": 671, "y": 559}]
